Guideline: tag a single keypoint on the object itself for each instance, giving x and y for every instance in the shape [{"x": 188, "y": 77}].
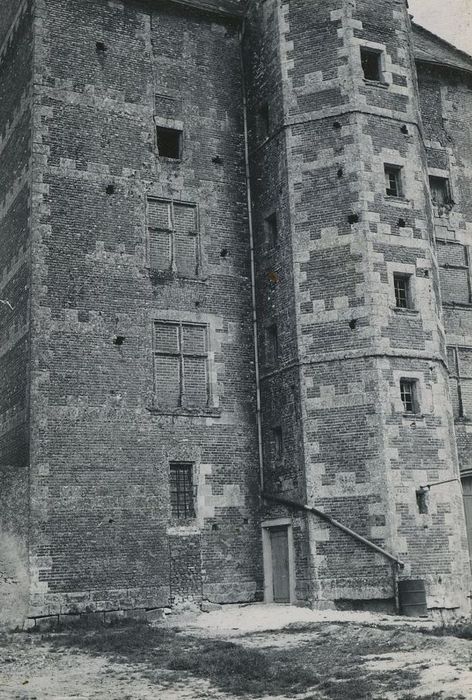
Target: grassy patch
[
  {"x": 332, "y": 667},
  {"x": 461, "y": 629}
]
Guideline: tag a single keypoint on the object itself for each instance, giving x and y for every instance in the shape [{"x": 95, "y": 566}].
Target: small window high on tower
[
  {"x": 409, "y": 395},
  {"x": 371, "y": 64},
  {"x": 169, "y": 143},
  {"x": 393, "y": 181},
  {"x": 401, "y": 284},
  {"x": 440, "y": 190}
]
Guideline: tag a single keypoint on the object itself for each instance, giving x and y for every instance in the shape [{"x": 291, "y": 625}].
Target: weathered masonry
[{"x": 189, "y": 185}]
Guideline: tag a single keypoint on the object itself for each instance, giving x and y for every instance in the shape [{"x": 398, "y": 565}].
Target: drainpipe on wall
[{"x": 253, "y": 264}]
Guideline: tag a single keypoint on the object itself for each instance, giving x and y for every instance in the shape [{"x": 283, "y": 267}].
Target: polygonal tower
[{"x": 356, "y": 410}]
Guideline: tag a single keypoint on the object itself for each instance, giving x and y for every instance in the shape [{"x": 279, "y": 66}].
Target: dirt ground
[{"x": 257, "y": 651}]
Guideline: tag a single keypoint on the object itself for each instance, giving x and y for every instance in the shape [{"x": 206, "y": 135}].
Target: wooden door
[
  {"x": 280, "y": 565},
  {"x": 467, "y": 491}
]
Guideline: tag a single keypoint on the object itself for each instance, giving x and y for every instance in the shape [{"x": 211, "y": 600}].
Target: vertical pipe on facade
[{"x": 253, "y": 263}]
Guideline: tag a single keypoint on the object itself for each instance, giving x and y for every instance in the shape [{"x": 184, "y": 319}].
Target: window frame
[
  {"x": 172, "y": 231},
  {"x": 413, "y": 393},
  {"x": 395, "y": 170},
  {"x": 181, "y": 354},
  {"x": 378, "y": 53},
  {"x": 407, "y": 278},
  {"x": 189, "y": 491},
  {"x": 447, "y": 189}
]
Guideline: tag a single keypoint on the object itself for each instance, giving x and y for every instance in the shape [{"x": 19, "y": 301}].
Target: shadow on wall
[{"x": 14, "y": 584}]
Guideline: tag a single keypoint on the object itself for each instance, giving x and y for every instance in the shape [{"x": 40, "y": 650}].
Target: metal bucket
[{"x": 412, "y": 598}]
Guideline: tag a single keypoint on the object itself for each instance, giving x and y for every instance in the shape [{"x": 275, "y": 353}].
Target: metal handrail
[{"x": 335, "y": 523}]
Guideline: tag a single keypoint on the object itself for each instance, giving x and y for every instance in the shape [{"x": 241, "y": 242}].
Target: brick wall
[
  {"x": 15, "y": 147},
  {"x": 445, "y": 105},
  {"x": 104, "y": 441}
]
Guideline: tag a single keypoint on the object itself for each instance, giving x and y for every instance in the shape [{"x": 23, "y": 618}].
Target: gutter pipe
[{"x": 252, "y": 264}]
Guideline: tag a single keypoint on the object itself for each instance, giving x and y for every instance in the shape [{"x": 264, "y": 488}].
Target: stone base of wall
[
  {"x": 93, "y": 619},
  {"x": 238, "y": 592}
]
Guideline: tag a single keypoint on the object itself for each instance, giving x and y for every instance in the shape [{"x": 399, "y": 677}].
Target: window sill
[
  {"x": 166, "y": 159},
  {"x": 162, "y": 276},
  {"x": 413, "y": 416},
  {"x": 396, "y": 199},
  {"x": 183, "y": 527},
  {"x": 460, "y": 304},
  {"x": 376, "y": 83},
  {"x": 206, "y": 412},
  {"x": 405, "y": 312}
]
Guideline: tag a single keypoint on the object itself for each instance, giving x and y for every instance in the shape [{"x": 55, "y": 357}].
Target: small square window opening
[
  {"x": 393, "y": 182},
  {"x": 169, "y": 143},
  {"x": 401, "y": 284},
  {"x": 440, "y": 190},
  {"x": 182, "y": 491},
  {"x": 409, "y": 395},
  {"x": 371, "y": 64},
  {"x": 271, "y": 230}
]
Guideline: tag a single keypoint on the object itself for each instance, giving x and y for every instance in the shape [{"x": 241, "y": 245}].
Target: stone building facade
[{"x": 234, "y": 268}]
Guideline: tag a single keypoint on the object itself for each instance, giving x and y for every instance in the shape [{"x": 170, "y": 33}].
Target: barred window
[
  {"x": 182, "y": 491},
  {"x": 173, "y": 240},
  {"x": 181, "y": 364},
  {"x": 408, "y": 393}
]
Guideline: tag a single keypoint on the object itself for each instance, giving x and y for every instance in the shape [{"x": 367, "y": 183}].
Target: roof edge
[
  {"x": 437, "y": 61},
  {"x": 232, "y": 9}
]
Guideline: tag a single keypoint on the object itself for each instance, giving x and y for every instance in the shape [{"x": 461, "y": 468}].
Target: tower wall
[
  {"x": 16, "y": 73},
  {"x": 446, "y": 102},
  {"x": 106, "y": 537},
  {"x": 341, "y": 241}
]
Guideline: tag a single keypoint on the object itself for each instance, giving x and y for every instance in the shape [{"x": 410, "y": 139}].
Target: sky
[{"x": 450, "y": 19}]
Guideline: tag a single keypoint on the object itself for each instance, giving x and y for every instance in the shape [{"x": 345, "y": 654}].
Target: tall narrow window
[
  {"x": 393, "y": 181},
  {"x": 169, "y": 143},
  {"x": 371, "y": 61},
  {"x": 181, "y": 491},
  {"x": 263, "y": 121},
  {"x": 277, "y": 443},
  {"x": 271, "y": 344},
  {"x": 402, "y": 291},
  {"x": 270, "y": 230},
  {"x": 173, "y": 237},
  {"x": 181, "y": 364},
  {"x": 408, "y": 392}
]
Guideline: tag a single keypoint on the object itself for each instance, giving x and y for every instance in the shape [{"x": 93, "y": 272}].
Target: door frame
[
  {"x": 267, "y": 558},
  {"x": 467, "y": 475}
]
